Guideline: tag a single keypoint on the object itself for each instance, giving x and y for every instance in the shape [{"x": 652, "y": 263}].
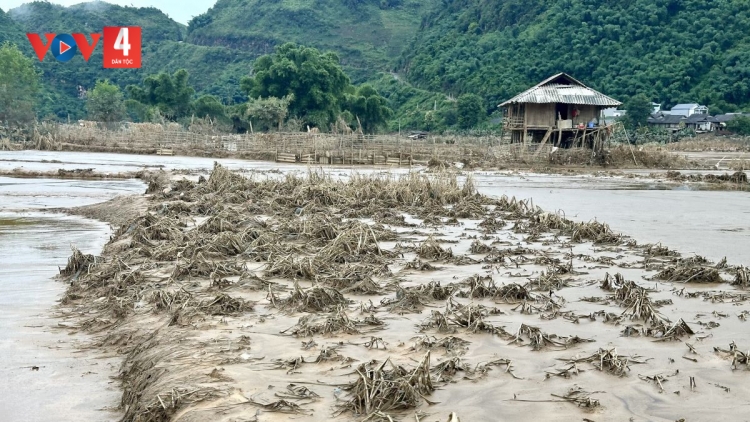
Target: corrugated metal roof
[
  {"x": 573, "y": 92},
  {"x": 684, "y": 106}
]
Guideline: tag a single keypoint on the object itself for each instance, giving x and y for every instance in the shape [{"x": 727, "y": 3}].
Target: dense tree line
[
  {"x": 295, "y": 82},
  {"x": 672, "y": 51}
]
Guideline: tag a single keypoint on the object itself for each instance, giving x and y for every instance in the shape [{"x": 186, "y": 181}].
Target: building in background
[{"x": 559, "y": 110}]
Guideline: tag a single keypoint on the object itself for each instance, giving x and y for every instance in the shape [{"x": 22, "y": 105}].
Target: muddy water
[
  {"x": 102, "y": 162},
  {"x": 41, "y": 371},
  {"x": 709, "y": 223}
]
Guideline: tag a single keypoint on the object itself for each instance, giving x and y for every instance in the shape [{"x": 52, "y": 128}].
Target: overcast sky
[{"x": 180, "y": 10}]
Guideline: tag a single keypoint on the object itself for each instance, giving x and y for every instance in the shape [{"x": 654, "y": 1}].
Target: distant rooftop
[
  {"x": 666, "y": 119},
  {"x": 685, "y": 106}
]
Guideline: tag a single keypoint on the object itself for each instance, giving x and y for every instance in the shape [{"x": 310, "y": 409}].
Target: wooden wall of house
[
  {"x": 540, "y": 115},
  {"x": 545, "y": 115},
  {"x": 586, "y": 113}
]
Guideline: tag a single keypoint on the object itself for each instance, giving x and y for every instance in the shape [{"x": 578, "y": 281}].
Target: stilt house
[{"x": 559, "y": 110}]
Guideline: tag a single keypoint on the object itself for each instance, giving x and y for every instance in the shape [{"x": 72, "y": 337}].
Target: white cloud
[{"x": 180, "y": 10}]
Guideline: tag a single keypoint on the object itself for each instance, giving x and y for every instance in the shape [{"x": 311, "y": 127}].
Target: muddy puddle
[{"x": 42, "y": 371}]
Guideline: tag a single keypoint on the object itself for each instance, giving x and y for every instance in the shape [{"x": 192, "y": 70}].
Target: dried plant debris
[
  {"x": 491, "y": 225},
  {"x": 539, "y": 340},
  {"x": 449, "y": 344},
  {"x": 298, "y": 392},
  {"x": 225, "y": 305},
  {"x": 598, "y": 233},
  {"x": 567, "y": 372},
  {"x": 689, "y": 274},
  {"x": 478, "y": 247},
  {"x": 513, "y": 293},
  {"x": 314, "y": 299},
  {"x": 658, "y": 250},
  {"x": 419, "y": 265},
  {"x": 580, "y": 398},
  {"x": 657, "y": 379},
  {"x": 437, "y": 321},
  {"x": 483, "y": 368},
  {"x": 548, "y": 281},
  {"x": 468, "y": 208},
  {"x": 200, "y": 266},
  {"x": 79, "y": 263},
  {"x": 664, "y": 331},
  {"x": 738, "y": 357},
  {"x": 479, "y": 287},
  {"x": 447, "y": 369},
  {"x": 281, "y": 406},
  {"x": 386, "y": 387},
  {"x": 635, "y": 299},
  {"x": 741, "y": 276},
  {"x": 471, "y": 317},
  {"x": 413, "y": 299},
  {"x": 336, "y": 322},
  {"x": 608, "y": 360},
  {"x": 431, "y": 249}
]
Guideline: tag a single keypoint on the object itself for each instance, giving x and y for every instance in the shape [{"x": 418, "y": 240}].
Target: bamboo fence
[{"x": 312, "y": 148}]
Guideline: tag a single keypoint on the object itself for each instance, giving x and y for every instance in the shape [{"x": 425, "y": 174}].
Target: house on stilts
[{"x": 561, "y": 111}]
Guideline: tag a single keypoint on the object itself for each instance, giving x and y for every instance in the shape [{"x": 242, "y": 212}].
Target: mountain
[
  {"x": 215, "y": 70},
  {"x": 424, "y": 54},
  {"x": 368, "y": 35},
  {"x": 671, "y": 50},
  {"x": 9, "y": 30}
]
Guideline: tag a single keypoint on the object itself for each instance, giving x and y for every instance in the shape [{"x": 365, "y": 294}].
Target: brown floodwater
[{"x": 42, "y": 371}]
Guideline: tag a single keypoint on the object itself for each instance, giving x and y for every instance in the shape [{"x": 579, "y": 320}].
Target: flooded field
[
  {"x": 712, "y": 224},
  {"x": 407, "y": 297}
]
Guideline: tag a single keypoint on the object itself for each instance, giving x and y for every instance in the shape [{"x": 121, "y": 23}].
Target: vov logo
[{"x": 122, "y": 46}]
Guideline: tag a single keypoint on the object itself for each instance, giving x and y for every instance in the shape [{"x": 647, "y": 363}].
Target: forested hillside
[
  {"x": 9, "y": 30},
  {"x": 368, "y": 35},
  {"x": 215, "y": 70},
  {"x": 423, "y": 55},
  {"x": 671, "y": 50}
]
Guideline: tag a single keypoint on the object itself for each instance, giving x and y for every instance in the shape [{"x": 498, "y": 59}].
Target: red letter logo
[
  {"x": 122, "y": 46},
  {"x": 84, "y": 46},
  {"x": 39, "y": 47}
]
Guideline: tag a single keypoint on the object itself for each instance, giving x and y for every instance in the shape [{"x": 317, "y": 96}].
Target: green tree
[
  {"x": 268, "y": 113},
  {"x": 209, "y": 105},
  {"x": 369, "y": 107},
  {"x": 739, "y": 125},
  {"x": 170, "y": 94},
  {"x": 314, "y": 79},
  {"x": 104, "y": 103},
  {"x": 470, "y": 110},
  {"x": 19, "y": 84},
  {"x": 638, "y": 111}
]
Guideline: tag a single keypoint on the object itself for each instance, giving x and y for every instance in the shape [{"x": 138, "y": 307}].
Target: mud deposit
[{"x": 406, "y": 297}]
